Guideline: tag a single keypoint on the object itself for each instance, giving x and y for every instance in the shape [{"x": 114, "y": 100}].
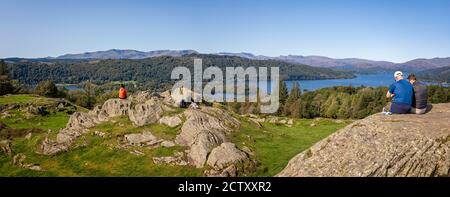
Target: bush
[
  {"x": 5, "y": 85},
  {"x": 47, "y": 88}
]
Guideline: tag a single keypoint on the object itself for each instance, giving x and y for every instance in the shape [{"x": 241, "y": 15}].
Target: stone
[
  {"x": 137, "y": 153},
  {"x": 100, "y": 134},
  {"x": 177, "y": 159},
  {"x": 202, "y": 146},
  {"x": 228, "y": 161},
  {"x": 290, "y": 122},
  {"x": 140, "y": 139},
  {"x": 146, "y": 113},
  {"x": 5, "y": 146},
  {"x": 273, "y": 120},
  {"x": 116, "y": 107},
  {"x": 28, "y": 136},
  {"x": 171, "y": 121},
  {"x": 203, "y": 130},
  {"x": 167, "y": 143},
  {"x": 379, "y": 145},
  {"x": 19, "y": 160}
]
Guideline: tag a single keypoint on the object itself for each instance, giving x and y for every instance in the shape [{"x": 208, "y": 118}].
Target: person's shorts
[
  {"x": 418, "y": 111},
  {"x": 400, "y": 108}
]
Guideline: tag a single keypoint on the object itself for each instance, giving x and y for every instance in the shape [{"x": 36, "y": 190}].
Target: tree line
[
  {"x": 343, "y": 102},
  {"x": 155, "y": 70}
]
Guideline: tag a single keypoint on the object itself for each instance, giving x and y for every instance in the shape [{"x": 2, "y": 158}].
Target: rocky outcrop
[
  {"x": 79, "y": 123},
  {"x": 141, "y": 139},
  {"x": 203, "y": 130},
  {"x": 382, "y": 145},
  {"x": 171, "y": 121},
  {"x": 146, "y": 113},
  {"x": 228, "y": 161},
  {"x": 203, "y": 133}
]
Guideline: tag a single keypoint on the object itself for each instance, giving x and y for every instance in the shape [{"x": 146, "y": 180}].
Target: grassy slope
[{"x": 273, "y": 144}]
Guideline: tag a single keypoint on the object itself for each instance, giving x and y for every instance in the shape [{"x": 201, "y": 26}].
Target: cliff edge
[{"x": 382, "y": 145}]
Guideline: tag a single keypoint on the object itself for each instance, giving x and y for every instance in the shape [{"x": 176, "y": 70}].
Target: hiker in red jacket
[{"x": 122, "y": 92}]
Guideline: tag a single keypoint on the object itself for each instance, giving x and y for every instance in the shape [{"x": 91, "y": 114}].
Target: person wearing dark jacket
[{"x": 420, "y": 96}]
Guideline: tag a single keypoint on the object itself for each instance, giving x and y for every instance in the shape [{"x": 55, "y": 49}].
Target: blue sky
[{"x": 393, "y": 30}]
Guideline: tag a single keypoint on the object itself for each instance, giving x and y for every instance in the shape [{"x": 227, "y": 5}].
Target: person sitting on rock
[
  {"x": 420, "y": 96},
  {"x": 122, "y": 92},
  {"x": 402, "y": 92}
]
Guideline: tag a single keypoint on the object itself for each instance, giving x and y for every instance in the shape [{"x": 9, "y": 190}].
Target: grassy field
[{"x": 274, "y": 145}]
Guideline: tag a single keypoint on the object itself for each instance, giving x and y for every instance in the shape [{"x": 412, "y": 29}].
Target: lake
[{"x": 371, "y": 80}]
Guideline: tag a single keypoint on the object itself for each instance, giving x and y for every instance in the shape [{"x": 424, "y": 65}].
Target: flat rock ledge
[{"x": 381, "y": 146}]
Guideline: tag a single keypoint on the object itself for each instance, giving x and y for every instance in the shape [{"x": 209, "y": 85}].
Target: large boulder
[
  {"x": 146, "y": 113},
  {"x": 203, "y": 130},
  {"x": 171, "y": 121},
  {"x": 382, "y": 145},
  {"x": 141, "y": 139},
  {"x": 114, "y": 107},
  {"x": 228, "y": 161}
]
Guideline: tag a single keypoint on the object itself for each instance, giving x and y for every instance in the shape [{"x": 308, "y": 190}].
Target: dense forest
[
  {"x": 154, "y": 70},
  {"x": 341, "y": 102}
]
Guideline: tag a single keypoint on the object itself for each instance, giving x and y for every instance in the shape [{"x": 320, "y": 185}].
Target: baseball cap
[{"x": 398, "y": 73}]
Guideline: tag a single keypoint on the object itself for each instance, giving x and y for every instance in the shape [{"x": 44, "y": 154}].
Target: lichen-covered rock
[
  {"x": 228, "y": 161},
  {"x": 203, "y": 144},
  {"x": 145, "y": 113},
  {"x": 113, "y": 108},
  {"x": 382, "y": 145},
  {"x": 141, "y": 139},
  {"x": 203, "y": 130},
  {"x": 78, "y": 124},
  {"x": 171, "y": 121}
]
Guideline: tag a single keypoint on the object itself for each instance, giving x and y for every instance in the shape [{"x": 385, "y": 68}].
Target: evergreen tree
[
  {"x": 283, "y": 92},
  {"x": 6, "y": 86},
  {"x": 3, "y": 68},
  {"x": 295, "y": 93}
]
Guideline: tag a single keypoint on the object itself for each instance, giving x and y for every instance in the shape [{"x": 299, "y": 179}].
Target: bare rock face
[
  {"x": 171, "y": 121},
  {"x": 381, "y": 145},
  {"x": 203, "y": 130},
  {"x": 78, "y": 124},
  {"x": 146, "y": 113},
  {"x": 228, "y": 161},
  {"x": 141, "y": 139},
  {"x": 113, "y": 108}
]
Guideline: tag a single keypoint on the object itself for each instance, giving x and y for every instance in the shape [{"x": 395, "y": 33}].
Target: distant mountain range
[
  {"x": 126, "y": 54},
  {"x": 353, "y": 64}
]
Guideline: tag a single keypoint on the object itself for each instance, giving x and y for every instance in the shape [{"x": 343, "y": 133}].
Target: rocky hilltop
[
  {"x": 381, "y": 145},
  {"x": 204, "y": 133}
]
